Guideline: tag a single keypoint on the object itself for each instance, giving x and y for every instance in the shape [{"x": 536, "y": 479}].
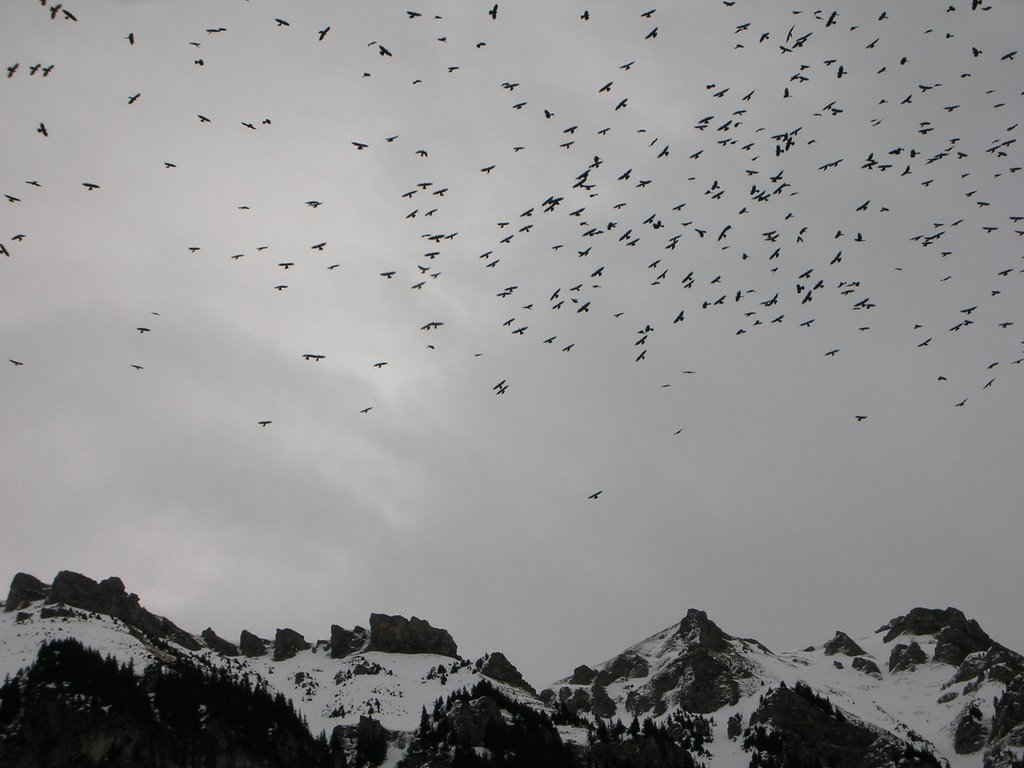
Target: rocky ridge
[{"x": 927, "y": 688}]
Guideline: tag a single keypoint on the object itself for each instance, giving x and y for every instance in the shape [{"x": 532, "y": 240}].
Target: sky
[{"x": 563, "y": 320}]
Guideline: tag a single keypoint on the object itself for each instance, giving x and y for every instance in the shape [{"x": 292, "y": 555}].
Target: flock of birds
[{"x": 737, "y": 215}]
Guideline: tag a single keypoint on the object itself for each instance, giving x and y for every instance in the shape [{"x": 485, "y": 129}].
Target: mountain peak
[
  {"x": 956, "y": 635},
  {"x": 696, "y": 629}
]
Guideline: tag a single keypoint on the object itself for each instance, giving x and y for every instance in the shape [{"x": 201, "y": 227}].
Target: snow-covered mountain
[{"x": 927, "y": 688}]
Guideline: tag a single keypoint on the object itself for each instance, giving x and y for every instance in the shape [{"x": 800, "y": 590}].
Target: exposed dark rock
[
  {"x": 218, "y": 644},
  {"x": 844, "y": 644},
  {"x": 1006, "y": 736},
  {"x": 970, "y": 731},
  {"x": 957, "y": 635},
  {"x": 903, "y": 657},
  {"x": 109, "y": 597},
  {"x": 345, "y": 642},
  {"x": 252, "y": 646},
  {"x": 495, "y": 666},
  {"x": 624, "y": 666},
  {"x": 583, "y": 675},
  {"x": 396, "y": 634},
  {"x": 997, "y": 663},
  {"x": 920, "y": 621},
  {"x": 25, "y": 589},
  {"x": 699, "y": 682},
  {"x": 288, "y": 642},
  {"x": 22, "y": 616},
  {"x": 696, "y": 629},
  {"x": 958, "y": 640},
  {"x": 837, "y": 664},
  {"x": 867, "y": 666}
]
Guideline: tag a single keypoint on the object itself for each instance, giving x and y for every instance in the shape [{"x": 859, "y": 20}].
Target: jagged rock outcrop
[
  {"x": 583, "y": 675},
  {"x": 397, "y": 634},
  {"x": 345, "y": 642},
  {"x": 25, "y": 589},
  {"x": 288, "y": 642},
  {"x": 626, "y": 665},
  {"x": 218, "y": 644},
  {"x": 867, "y": 666},
  {"x": 1006, "y": 736},
  {"x": 970, "y": 730},
  {"x": 997, "y": 663},
  {"x": 956, "y": 635},
  {"x": 108, "y": 597},
  {"x": 904, "y": 657},
  {"x": 844, "y": 644},
  {"x": 497, "y": 667},
  {"x": 252, "y": 646}
]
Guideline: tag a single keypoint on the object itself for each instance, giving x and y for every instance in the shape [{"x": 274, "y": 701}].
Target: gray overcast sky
[{"x": 794, "y": 183}]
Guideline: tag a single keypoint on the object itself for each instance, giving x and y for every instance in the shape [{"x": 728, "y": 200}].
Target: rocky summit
[{"x": 93, "y": 678}]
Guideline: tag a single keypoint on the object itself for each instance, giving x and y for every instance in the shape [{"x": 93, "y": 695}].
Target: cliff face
[{"x": 107, "y": 597}]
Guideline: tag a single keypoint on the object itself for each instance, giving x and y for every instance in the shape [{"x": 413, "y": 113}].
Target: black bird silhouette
[
  {"x": 595, "y": 494},
  {"x": 493, "y": 13},
  {"x": 323, "y": 32}
]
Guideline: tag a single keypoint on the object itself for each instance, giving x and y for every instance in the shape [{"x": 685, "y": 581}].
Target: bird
[
  {"x": 42, "y": 129},
  {"x": 595, "y": 494},
  {"x": 323, "y": 32},
  {"x": 282, "y": 23},
  {"x": 265, "y": 422},
  {"x": 493, "y": 13},
  {"x": 15, "y": 362}
]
